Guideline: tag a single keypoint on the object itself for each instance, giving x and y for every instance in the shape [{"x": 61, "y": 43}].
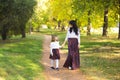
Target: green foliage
[
  {"x": 14, "y": 15},
  {"x": 51, "y": 32},
  {"x": 20, "y": 58},
  {"x": 60, "y": 8},
  {"x": 51, "y": 12},
  {"x": 40, "y": 16},
  {"x": 78, "y": 9},
  {"x": 61, "y": 11}
]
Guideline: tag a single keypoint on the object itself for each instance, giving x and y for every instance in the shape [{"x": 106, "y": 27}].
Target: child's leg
[
  {"x": 52, "y": 63},
  {"x": 57, "y": 63}
]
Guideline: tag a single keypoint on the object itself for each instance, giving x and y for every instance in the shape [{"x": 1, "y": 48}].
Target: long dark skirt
[
  {"x": 56, "y": 54},
  {"x": 73, "y": 59}
]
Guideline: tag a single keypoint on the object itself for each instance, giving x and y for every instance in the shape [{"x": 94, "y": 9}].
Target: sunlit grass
[
  {"x": 100, "y": 56},
  {"x": 51, "y": 32},
  {"x": 20, "y": 58}
]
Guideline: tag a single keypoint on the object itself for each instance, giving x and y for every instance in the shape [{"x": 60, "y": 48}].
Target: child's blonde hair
[{"x": 54, "y": 38}]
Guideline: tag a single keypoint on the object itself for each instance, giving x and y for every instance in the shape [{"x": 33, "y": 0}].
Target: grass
[
  {"x": 100, "y": 56},
  {"x": 20, "y": 58}
]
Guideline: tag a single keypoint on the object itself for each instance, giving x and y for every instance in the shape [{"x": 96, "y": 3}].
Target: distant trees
[
  {"x": 14, "y": 15},
  {"x": 40, "y": 16},
  {"x": 105, "y": 6},
  {"x": 61, "y": 11},
  {"x": 85, "y": 8},
  {"x": 89, "y": 13}
]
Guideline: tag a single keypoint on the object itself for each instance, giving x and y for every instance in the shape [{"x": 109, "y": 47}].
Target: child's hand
[
  {"x": 51, "y": 53},
  {"x": 60, "y": 47}
]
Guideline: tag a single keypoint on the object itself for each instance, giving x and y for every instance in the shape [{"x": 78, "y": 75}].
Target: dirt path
[{"x": 63, "y": 73}]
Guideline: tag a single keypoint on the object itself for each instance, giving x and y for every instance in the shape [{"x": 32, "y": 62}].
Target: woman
[{"x": 73, "y": 37}]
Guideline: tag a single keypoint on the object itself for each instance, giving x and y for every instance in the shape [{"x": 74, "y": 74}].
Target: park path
[{"x": 63, "y": 73}]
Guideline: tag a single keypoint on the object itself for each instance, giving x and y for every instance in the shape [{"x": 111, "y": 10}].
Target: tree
[
  {"x": 4, "y": 17},
  {"x": 85, "y": 9},
  {"x": 110, "y": 5},
  {"x": 40, "y": 16},
  {"x": 61, "y": 10},
  {"x": 119, "y": 31},
  {"x": 116, "y": 8},
  {"x": 14, "y": 15},
  {"x": 104, "y": 6},
  {"x": 25, "y": 11},
  {"x": 105, "y": 25}
]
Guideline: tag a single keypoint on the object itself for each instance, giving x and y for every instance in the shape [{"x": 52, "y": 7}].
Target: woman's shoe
[{"x": 70, "y": 68}]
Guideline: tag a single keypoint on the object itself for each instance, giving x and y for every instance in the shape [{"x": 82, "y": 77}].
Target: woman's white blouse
[{"x": 72, "y": 35}]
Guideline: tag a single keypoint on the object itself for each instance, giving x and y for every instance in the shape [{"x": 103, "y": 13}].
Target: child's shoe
[
  {"x": 57, "y": 69},
  {"x": 52, "y": 67}
]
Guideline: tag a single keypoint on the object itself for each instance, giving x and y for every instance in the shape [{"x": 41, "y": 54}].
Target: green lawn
[
  {"x": 20, "y": 58},
  {"x": 100, "y": 56}
]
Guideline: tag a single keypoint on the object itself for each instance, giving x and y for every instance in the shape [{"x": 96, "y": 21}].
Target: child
[{"x": 54, "y": 52}]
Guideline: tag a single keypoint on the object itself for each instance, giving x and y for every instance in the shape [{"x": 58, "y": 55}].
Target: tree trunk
[
  {"x": 55, "y": 27},
  {"x": 23, "y": 34},
  {"x": 63, "y": 28},
  {"x": 23, "y": 31},
  {"x": 119, "y": 31},
  {"x": 38, "y": 29},
  {"x": 4, "y": 33},
  {"x": 105, "y": 25},
  {"x": 59, "y": 24},
  {"x": 89, "y": 23}
]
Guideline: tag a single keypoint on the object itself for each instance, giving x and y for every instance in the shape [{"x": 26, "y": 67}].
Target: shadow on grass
[
  {"x": 103, "y": 66},
  {"x": 19, "y": 60},
  {"x": 100, "y": 57}
]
